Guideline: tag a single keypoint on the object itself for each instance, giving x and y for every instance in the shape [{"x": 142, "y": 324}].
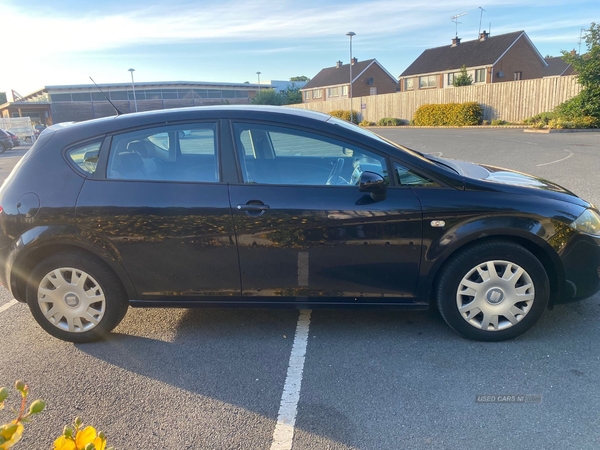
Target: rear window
[{"x": 86, "y": 157}]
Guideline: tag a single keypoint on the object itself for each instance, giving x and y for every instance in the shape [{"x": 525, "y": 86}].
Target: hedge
[
  {"x": 345, "y": 115},
  {"x": 449, "y": 114}
]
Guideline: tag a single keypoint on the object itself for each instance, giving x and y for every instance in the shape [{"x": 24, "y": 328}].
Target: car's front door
[
  {"x": 160, "y": 207},
  {"x": 305, "y": 231}
]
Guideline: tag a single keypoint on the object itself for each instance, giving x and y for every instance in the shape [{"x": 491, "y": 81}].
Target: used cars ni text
[{"x": 273, "y": 206}]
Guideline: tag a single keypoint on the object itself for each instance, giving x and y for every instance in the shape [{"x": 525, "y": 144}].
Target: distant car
[
  {"x": 15, "y": 138},
  {"x": 273, "y": 207},
  {"x": 6, "y": 142},
  {"x": 37, "y": 130}
]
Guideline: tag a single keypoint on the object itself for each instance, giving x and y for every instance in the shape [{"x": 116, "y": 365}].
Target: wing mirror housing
[{"x": 374, "y": 184}]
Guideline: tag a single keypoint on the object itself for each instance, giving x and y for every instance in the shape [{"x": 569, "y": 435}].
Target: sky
[{"x": 67, "y": 41}]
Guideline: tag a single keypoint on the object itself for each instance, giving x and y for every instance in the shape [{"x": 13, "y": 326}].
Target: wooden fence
[{"x": 512, "y": 101}]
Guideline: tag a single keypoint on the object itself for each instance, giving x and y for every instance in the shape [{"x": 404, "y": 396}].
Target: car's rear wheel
[
  {"x": 493, "y": 291},
  {"x": 76, "y": 298},
  {"x": 2, "y": 148}
]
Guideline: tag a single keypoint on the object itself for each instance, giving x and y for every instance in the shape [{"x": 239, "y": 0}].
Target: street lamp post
[
  {"x": 350, "y": 34},
  {"x": 133, "y": 87},
  {"x": 258, "y": 75}
]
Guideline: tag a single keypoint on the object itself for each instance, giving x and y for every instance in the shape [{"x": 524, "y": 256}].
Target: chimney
[
  {"x": 354, "y": 61},
  {"x": 455, "y": 41},
  {"x": 483, "y": 36},
  {"x": 338, "y": 64}
]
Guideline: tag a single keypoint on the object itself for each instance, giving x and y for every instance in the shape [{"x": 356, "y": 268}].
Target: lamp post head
[
  {"x": 350, "y": 33},
  {"x": 131, "y": 70}
]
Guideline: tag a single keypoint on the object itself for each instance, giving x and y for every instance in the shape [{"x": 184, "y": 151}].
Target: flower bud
[
  {"x": 68, "y": 431},
  {"x": 90, "y": 446},
  {"x": 20, "y": 386},
  {"x": 3, "y": 394},
  {"x": 78, "y": 422},
  {"x": 37, "y": 407}
]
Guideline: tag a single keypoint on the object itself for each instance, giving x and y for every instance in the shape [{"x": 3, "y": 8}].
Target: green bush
[
  {"x": 366, "y": 123},
  {"x": 577, "y": 122},
  {"x": 540, "y": 120},
  {"x": 345, "y": 115},
  {"x": 497, "y": 122},
  {"x": 390, "y": 122},
  {"x": 449, "y": 114}
]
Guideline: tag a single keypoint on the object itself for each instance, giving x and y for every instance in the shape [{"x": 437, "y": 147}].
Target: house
[
  {"x": 488, "y": 59},
  {"x": 557, "y": 67},
  {"x": 368, "y": 78}
]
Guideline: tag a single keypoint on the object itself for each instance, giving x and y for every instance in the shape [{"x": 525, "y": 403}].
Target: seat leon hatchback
[{"x": 274, "y": 206}]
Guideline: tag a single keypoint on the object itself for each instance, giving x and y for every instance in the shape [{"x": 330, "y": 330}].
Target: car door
[
  {"x": 156, "y": 201},
  {"x": 304, "y": 229}
]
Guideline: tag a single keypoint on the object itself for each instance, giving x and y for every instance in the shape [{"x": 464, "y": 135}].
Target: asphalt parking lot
[{"x": 214, "y": 378}]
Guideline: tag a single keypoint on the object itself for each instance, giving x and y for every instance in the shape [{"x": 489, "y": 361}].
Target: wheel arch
[
  {"x": 539, "y": 248},
  {"x": 25, "y": 261}
]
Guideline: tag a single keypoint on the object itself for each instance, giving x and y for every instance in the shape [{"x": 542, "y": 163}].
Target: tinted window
[
  {"x": 278, "y": 155},
  {"x": 407, "y": 177},
  {"x": 171, "y": 153},
  {"x": 85, "y": 157}
]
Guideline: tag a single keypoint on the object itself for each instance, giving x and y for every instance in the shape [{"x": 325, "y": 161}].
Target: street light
[
  {"x": 133, "y": 86},
  {"x": 350, "y": 34},
  {"x": 258, "y": 75}
]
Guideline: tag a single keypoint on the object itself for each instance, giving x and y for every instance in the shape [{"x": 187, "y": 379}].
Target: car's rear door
[
  {"x": 157, "y": 202},
  {"x": 305, "y": 232}
]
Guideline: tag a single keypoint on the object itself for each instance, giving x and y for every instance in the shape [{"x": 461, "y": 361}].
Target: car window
[
  {"x": 280, "y": 155},
  {"x": 171, "y": 153},
  {"x": 86, "y": 157},
  {"x": 407, "y": 177}
]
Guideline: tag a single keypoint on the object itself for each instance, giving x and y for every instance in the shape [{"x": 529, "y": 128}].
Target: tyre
[
  {"x": 75, "y": 297},
  {"x": 2, "y": 148},
  {"x": 493, "y": 291}
]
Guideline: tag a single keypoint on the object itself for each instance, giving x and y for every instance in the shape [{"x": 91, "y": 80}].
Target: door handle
[{"x": 253, "y": 207}]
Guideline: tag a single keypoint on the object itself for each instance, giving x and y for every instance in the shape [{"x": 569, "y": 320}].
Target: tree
[
  {"x": 267, "y": 97},
  {"x": 3, "y": 98},
  {"x": 300, "y": 78},
  {"x": 462, "y": 79},
  {"x": 291, "y": 95},
  {"x": 587, "y": 69}
]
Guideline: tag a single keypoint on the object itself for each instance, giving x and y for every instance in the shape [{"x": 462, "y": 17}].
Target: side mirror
[{"x": 374, "y": 184}]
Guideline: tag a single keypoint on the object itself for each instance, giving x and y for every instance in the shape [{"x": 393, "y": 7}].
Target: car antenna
[{"x": 106, "y": 97}]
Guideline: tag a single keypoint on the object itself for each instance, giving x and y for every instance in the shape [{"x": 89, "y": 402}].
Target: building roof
[
  {"x": 470, "y": 54},
  {"x": 333, "y": 76},
  {"x": 556, "y": 67}
]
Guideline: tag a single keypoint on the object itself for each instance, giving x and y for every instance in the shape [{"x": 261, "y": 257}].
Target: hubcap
[
  {"x": 71, "y": 300},
  {"x": 495, "y": 295}
]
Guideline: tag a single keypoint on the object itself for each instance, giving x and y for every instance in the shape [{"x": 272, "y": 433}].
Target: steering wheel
[{"x": 336, "y": 171}]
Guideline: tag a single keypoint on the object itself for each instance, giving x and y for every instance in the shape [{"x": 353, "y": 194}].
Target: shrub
[
  {"x": 345, "y": 115},
  {"x": 497, "y": 122},
  {"x": 390, "y": 122},
  {"x": 366, "y": 123},
  {"x": 449, "y": 114},
  {"x": 540, "y": 120},
  {"x": 578, "y": 122}
]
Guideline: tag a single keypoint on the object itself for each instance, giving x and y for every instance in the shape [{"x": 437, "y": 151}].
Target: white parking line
[
  {"x": 558, "y": 160},
  {"x": 283, "y": 435},
  {"x": 8, "y": 305}
]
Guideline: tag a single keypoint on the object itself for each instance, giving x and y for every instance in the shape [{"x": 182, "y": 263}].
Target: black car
[
  {"x": 6, "y": 142},
  {"x": 15, "y": 139},
  {"x": 272, "y": 206}
]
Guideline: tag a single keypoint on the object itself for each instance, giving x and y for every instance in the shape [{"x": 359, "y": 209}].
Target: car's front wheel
[
  {"x": 493, "y": 291},
  {"x": 76, "y": 298}
]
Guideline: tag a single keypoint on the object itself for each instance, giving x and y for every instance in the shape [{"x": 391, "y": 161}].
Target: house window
[
  {"x": 333, "y": 92},
  {"x": 307, "y": 95},
  {"x": 317, "y": 93},
  {"x": 427, "y": 82},
  {"x": 345, "y": 90},
  {"x": 373, "y": 91},
  {"x": 409, "y": 84},
  {"x": 451, "y": 77},
  {"x": 480, "y": 76},
  {"x": 518, "y": 76}
]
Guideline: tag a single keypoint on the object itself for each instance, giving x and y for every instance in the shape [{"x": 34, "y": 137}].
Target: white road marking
[
  {"x": 558, "y": 160},
  {"x": 283, "y": 435},
  {"x": 8, "y": 305}
]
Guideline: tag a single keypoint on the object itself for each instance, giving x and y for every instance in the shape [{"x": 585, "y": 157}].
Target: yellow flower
[
  {"x": 84, "y": 437},
  {"x": 14, "y": 436},
  {"x": 64, "y": 443}
]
